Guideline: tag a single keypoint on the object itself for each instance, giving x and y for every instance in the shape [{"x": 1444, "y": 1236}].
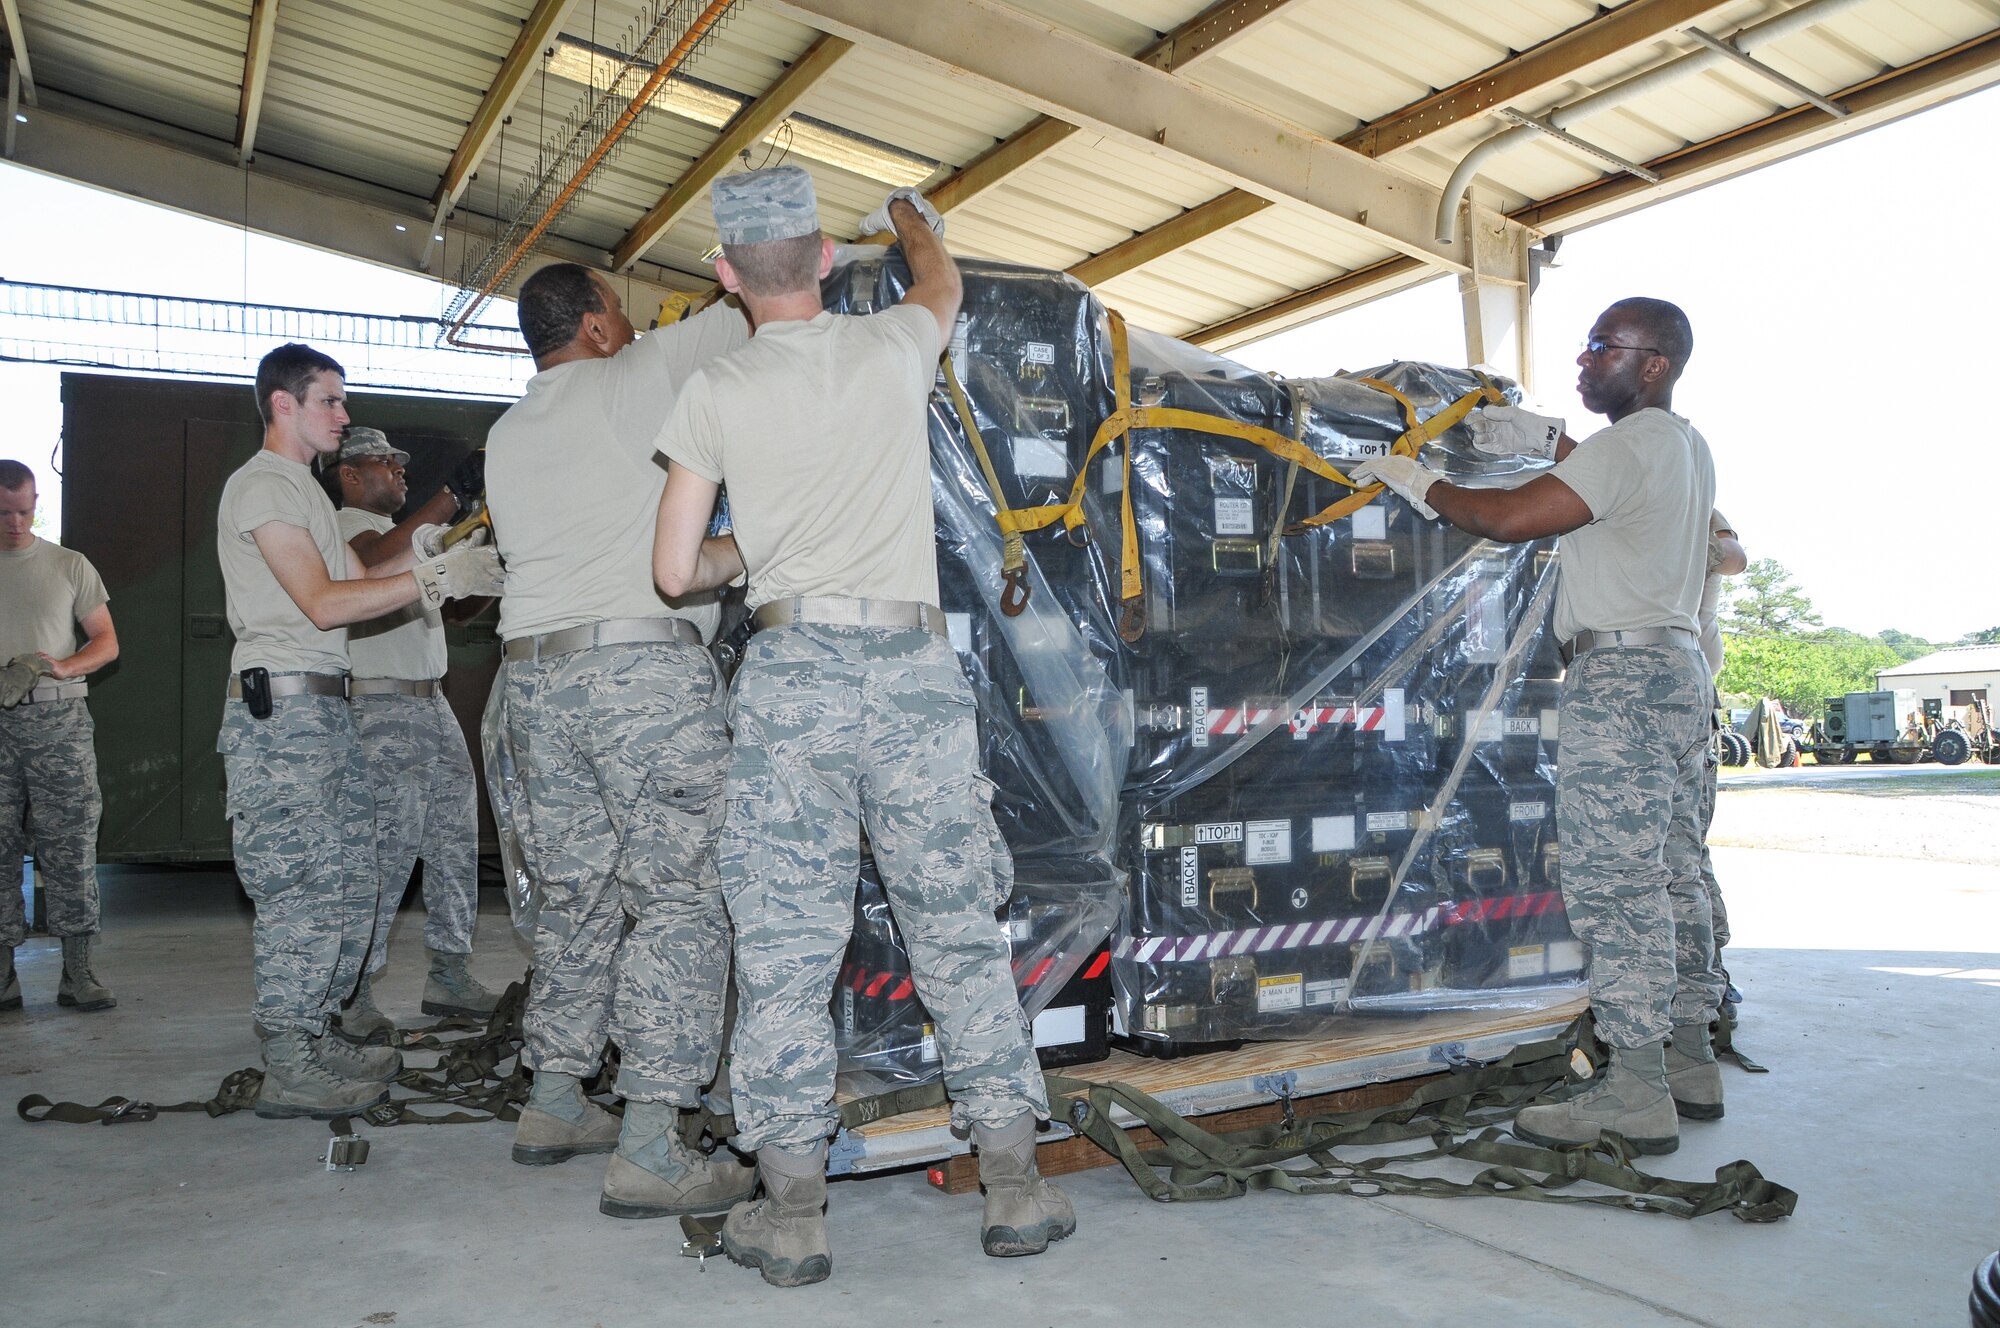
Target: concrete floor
[{"x": 1879, "y": 1111}]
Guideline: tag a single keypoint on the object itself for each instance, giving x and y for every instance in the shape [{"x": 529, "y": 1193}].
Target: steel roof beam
[
  {"x": 1186, "y": 46},
  {"x": 1081, "y": 83},
  {"x": 748, "y": 127},
  {"x": 1198, "y": 222},
  {"x": 1962, "y": 69},
  {"x": 537, "y": 31},
  {"x": 17, "y": 41},
  {"x": 1556, "y": 59},
  {"x": 256, "y": 73}
]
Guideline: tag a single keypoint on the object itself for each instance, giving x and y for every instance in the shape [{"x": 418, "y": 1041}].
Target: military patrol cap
[
  {"x": 364, "y": 442},
  {"x": 773, "y": 204}
]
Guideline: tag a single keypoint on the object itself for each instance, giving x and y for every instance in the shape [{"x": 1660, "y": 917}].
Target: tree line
[{"x": 1776, "y": 644}]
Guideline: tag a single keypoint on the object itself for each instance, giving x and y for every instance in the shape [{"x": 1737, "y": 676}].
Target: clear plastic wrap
[{"x": 1304, "y": 762}]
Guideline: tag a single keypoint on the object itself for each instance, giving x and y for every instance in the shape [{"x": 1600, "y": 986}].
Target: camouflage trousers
[
  {"x": 48, "y": 770},
  {"x": 1717, "y": 912},
  {"x": 426, "y": 806},
  {"x": 838, "y": 728},
  {"x": 1635, "y": 726},
  {"x": 622, "y": 754},
  {"x": 302, "y": 825}
]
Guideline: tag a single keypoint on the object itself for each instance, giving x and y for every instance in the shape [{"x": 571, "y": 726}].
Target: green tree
[
  {"x": 1802, "y": 672},
  {"x": 1906, "y": 646},
  {"x": 1989, "y": 636},
  {"x": 1765, "y": 601}
]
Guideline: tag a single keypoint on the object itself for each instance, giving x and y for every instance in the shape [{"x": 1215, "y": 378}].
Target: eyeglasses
[{"x": 1594, "y": 346}]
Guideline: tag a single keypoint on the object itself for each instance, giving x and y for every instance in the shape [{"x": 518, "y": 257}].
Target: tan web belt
[
  {"x": 840, "y": 611},
  {"x": 611, "y": 632},
  {"x": 393, "y": 687},
  {"x": 297, "y": 684},
  {"x": 1641, "y": 636},
  {"x": 57, "y": 691}
]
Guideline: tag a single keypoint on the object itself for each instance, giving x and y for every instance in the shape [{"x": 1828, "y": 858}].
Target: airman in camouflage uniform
[
  {"x": 614, "y": 714},
  {"x": 48, "y": 763},
  {"x": 850, "y": 710},
  {"x": 1632, "y": 504},
  {"x": 426, "y": 803},
  {"x": 301, "y": 817}
]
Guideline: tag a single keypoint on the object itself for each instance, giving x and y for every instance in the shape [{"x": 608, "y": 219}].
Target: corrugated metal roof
[
  {"x": 1950, "y": 660},
  {"x": 379, "y": 96}
]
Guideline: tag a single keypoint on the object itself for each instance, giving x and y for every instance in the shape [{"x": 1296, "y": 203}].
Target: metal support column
[{"x": 1495, "y": 296}]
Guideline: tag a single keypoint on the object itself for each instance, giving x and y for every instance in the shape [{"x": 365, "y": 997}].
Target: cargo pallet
[{"x": 1254, "y": 1084}]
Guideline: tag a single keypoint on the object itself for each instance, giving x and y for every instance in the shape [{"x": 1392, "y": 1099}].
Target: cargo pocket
[{"x": 995, "y": 864}]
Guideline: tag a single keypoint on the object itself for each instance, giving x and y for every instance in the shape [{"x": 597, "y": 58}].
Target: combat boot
[
  {"x": 1693, "y": 1077},
  {"x": 783, "y": 1235},
  {"x": 374, "y": 1065},
  {"x": 298, "y": 1083},
  {"x": 1631, "y": 1099},
  {"x": 559, "y": 1122},
  {"x": 1024, "y": 1213},
  {"x": 451, "y": 988},
  {"x": 10, "y": 989},
  {"x": 359, "y": 1020},
  {"x": 655, "y": 1174},
  {"x": 79, "y": 986}
]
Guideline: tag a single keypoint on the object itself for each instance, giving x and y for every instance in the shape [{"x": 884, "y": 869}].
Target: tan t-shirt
[
  {"x": 575, "y": 492},
  {"x": 45, "y": 591},
  {"x": 1650, "y": 485},
  {"x": 819, "y": 430},
  {"x": 272, "y": 631},
  {"x": 1711, "y": 596},
  {"x": 408, "y": 643}
]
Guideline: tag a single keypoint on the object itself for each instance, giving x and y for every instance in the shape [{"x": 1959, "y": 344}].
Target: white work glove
[
  {"x": 463, "y": 572},
  {"x": 428, "y": 539},
  {"x": 20, "y": 675},
  {"x": 876, "y": 222},
  {"x": 1509, "y": 431},
  {"x": 1403, "y": 475}
]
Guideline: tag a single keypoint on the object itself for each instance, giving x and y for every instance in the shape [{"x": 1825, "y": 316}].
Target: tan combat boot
[
  {"x": 375, "y": 1065},
  {"x": 783, "y": 1235},
  {"x": 79, "y": 986},
  {"x": 655, "y": 1174},
  {"x": 1024, "y": 1213},
  {"x": 360, "y": 1021},
  {"x": 1693, "y": 1077},
  {"x": 559, "y": 1122},
  {"x": 1631, "y": 1099},
  {"x": 451, "y": 988},
  {"x": 298, "y": 1083}
]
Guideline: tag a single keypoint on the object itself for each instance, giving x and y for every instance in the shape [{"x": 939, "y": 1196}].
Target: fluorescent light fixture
[
  {"x": 715, "y": 107},
  {"x": 401, "y": 227}
]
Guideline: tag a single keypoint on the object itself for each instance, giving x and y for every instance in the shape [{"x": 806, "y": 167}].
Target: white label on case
[
  {"x": 1529, "y": 727},
  {"x": 847, "y": 1008},
  {"x": 1527, "y": 811},
  {"x": 1198, "y": 716},
  {"x": 1267, "y": 842},
  {"x": 1219, "y": 832},
  {"x": 1327, "y": 991},
  {"x": 1284, "y": 992},
  {"x": 1565, "y": 956},
  {"x": 1333, "y": 834},
  {"x": 1039, "y": 458},
  {"x": 1190, "y": 876},
  {"x": 1395, "y": 716},
  {"x": 1038, "y": 352},
  {"x": 1527, "y": 961},
  {"x": 1551, "y": 730},
  {"x": 1059, "y": 1027},
  {"x": 1235, "y": 516},
  {"x": 958, "y": 628},
  {"x": 928, "y": 1050},
  {"x": 1114, "y": 475},
  {"x": 1382, "y": 822},
  {"x": 1372, "y": 522}
]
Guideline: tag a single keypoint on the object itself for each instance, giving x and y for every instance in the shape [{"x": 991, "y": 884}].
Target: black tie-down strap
[
  {"x": 480, "y": 1074},
  {"x": 1204, "y": 1166}
]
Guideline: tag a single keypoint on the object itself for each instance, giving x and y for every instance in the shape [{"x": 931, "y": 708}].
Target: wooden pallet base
[{"x": 960, "y": 1174}]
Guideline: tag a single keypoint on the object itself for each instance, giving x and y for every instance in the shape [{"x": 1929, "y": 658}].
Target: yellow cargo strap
[{"x": 1125, "y": 417}]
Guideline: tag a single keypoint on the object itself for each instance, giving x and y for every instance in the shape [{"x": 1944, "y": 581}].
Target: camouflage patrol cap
[
  {"x": 773, "y": 204},
  {"x": 361, "y": 441}
]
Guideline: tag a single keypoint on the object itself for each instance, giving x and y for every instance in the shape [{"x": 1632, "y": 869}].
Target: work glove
[
  {"x": 428, "y": 539},
  {"x": 1511, "y": 431},
  {"x": 467, "y": 480},
  {"x": 20, "y": 675},
  {"x": 876, "y": 222},
  {"x": 1403, "y": 475},
  {"x": 464, "y": 571}
]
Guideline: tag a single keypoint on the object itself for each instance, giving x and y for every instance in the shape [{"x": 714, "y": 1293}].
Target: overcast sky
[{"x": 1843, "y": 308}]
